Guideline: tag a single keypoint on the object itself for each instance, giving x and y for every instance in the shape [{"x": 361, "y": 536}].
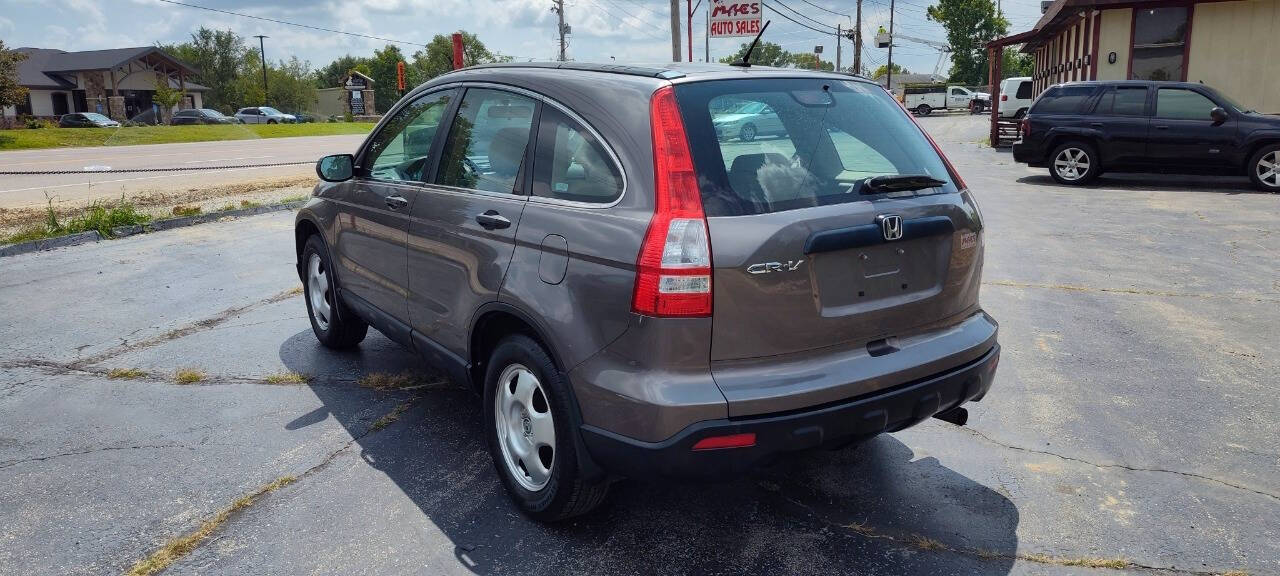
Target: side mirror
[
  {"x": 1219, "y": 115},
  {"x": 336, "y": 168}
]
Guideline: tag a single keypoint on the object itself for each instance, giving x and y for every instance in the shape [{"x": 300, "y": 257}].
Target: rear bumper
[
  {"x": 1027, "y": 153},
  {"x": 776, "y": 434}
]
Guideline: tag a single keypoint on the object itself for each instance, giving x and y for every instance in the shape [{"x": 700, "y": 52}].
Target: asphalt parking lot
[{"x": 1131, "y": 428}]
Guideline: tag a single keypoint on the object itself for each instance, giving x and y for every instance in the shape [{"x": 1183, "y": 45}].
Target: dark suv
[
  {"x": 1080, "y": 129},
  {"x": 634, "y": 296}
]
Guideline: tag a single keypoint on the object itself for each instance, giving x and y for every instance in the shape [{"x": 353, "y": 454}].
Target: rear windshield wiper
[{"x": 896, "y": 183}]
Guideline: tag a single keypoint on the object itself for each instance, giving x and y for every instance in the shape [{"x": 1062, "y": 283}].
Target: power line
[
  {"x": 798, "y": 13},
  {"x": 826, "y": 9},
  {"x": 800, "y": 24},
  {"x": 287, "y": 23}
]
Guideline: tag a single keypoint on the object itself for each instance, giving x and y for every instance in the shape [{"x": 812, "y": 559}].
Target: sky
[{"x": 603, "y": 30}]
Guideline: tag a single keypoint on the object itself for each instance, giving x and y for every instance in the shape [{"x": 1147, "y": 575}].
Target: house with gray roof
[{"x": 119, "y": 82}]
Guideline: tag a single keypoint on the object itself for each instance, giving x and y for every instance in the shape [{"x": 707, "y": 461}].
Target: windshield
[
  {"x": 1229, "y": 101},
  {"x": 270, "y": 111},
  {"x": 211, "y": 113},
  {"x": 96, "y": 117},
  {"x": 812, "y": 141}
]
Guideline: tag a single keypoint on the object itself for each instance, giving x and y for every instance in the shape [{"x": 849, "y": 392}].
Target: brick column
[
  {"x": 369, "y": 109},
  {"x": 115, "y": 107}
]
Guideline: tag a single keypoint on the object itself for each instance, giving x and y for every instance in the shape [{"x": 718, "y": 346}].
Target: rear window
[
  {"x": 810, "y": 141},
  {"x": 1024, "y": 90},
  {"x": 1062, "y": 100}
]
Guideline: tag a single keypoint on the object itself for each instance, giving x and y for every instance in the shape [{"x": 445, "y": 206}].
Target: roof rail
[{"x": 646, "y": 71}]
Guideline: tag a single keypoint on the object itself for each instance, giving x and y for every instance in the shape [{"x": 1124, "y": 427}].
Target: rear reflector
[
  {"x": 730, "y": 441},
  {"x": 673, "y": 270}
]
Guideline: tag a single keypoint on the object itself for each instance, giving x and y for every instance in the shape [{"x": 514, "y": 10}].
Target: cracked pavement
[{"x": 1133, "y": 417}]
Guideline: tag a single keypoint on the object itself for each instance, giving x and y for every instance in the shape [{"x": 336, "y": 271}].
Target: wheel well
[
  {"x": 305, "y": 229},
  {"x": 1258, "y": 146},
  {"x": 490, "y": 329},
  {"x": 1064, "y": 138}
]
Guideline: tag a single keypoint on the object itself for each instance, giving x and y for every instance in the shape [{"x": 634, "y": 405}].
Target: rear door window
[
  {"x": 827, "y": 137},
  {"x": 1063, "y": 100},
  {"x": 571, "y": 163},
  {"x": 1123, "y": 101}
]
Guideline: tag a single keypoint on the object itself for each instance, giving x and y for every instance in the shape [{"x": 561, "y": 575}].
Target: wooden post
[
  {"x": 995, "y": 58},
  {"x": 114, "y": 91}
]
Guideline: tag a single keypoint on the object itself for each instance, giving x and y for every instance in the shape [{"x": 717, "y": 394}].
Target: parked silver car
[{"x": 264, "y": 115}]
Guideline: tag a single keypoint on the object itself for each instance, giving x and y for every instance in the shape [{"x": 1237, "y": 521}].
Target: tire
[
  {"x": 271, "y": 121},
  {"x": 747, "y": 133},
  {"x": 334, "y": 325},
  {"x": 1264, "y": 168},
  {"x": 528, "y": 408},
  {"x": 978, "y": 107},
  {"x": 923, "y": 110},
  {"x": 1020, "y": 113},
  {"x": 1074, "y": 163}
]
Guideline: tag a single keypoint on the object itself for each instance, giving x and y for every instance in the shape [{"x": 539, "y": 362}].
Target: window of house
[
  {"x": 570, "y": 164},
  {"x": 1182, "y": 104},
  {"x": 1159, "y": 43}
]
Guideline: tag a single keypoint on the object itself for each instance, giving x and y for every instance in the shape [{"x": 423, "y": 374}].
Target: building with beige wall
[
  {"x": 118, "y": 82},
  {"x": 1233, "y": 46}
]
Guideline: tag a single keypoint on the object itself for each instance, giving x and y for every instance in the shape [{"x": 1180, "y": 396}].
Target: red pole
[
  {"x": 689, "y": 27},
  {"x": 457, "y": 50}
]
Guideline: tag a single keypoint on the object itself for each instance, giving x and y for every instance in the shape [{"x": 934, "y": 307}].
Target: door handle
[
  {"x": 1095, "y": 124},
  {"x": 491, "y": 220},
  {"x": 396, "y": 202},
  {"x": 1161, "y": 127}
]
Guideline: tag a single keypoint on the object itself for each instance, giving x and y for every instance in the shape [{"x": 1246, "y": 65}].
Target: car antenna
[{"x": 746, "y": 58}]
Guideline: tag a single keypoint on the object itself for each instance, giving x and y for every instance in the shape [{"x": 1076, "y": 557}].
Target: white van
[{"x": 1015, "y": 97}]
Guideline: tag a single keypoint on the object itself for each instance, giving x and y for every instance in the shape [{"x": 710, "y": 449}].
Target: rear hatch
[{"x": 843, "y": 231}]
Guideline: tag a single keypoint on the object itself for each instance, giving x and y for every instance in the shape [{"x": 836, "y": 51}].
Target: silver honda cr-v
[{"x": 637, "y": 291}]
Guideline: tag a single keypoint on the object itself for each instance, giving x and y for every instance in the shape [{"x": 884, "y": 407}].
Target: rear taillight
[
  {"x": 673, "y": 270},
  {"x": 1025, "y": 128},
  {"x": 1004, "y": 97}
]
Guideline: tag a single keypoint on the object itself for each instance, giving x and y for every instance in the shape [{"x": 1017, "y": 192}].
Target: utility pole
[
  {"x": 688, "y": 24},
  {"x": 560, "y": 28},
  {"x": 838, "y": 35},
  {"x": 857, "y": 42},
  {"x": 706, "y": 36},
  {"x": 889, "y": 67},
  {"x": 262, "y": 51},
  {"x": 675, "y": 30}
]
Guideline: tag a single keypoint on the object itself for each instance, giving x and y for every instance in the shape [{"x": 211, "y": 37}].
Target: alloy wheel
[
  {"x": 318, "y": 292},
  {"x": 1071, "y": 164},
  {"x": 525, "y": 426},
  {"x": 1268, "y": 169}
]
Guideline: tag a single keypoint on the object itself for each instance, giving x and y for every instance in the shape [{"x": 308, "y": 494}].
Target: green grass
[
  {"x": 69, "y": 137},
  {"x": 100, "y": 216}
]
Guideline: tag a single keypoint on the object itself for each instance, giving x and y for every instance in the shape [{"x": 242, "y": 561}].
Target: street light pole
[
  {"x": 262, "y": 51},
  {"x": 889, "y": 67}
]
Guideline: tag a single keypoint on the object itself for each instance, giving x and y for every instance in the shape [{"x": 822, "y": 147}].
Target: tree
[
  {"x": 970, "y": 24},
  {"x": 11, "y": 93},
  {"x": 765, "y": 54},
  {"x": 220, "y": 57},
  {"x": 166, "y": 97},
  {"x": 333, "y": 75},
  {"x": 293, "y": 85},
  {"x": 382, "y": 68},
  {"x": 810, "y": 62},
  {"x": 437, "y": 57},
  {"x": 1016, "y": 64},
  {"x": 884, "y": 70}
]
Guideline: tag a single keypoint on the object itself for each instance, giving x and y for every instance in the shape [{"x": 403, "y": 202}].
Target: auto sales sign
[{"x": 731, "y": 18}]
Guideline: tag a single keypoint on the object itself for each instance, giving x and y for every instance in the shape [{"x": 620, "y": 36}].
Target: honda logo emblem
[{"x": 891, "y": 226}]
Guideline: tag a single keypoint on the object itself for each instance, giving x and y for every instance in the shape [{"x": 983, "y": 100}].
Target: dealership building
[
  {"x": 1232, "y": 46},
  {"x": 118, "y": 82}
]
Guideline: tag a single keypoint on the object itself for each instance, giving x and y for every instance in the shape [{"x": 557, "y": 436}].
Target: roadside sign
[{"x": 730, "y": 18}]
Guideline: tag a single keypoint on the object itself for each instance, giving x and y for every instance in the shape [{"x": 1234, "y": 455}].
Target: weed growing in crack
[
  {"x": 390, "y": 417},
  {"x": 384, "y": 381},
  {"x": 288, "y": 378},
  {"x": 188, "y": 376},
  {"x": 126, "y": 374},
  {"x": 176, "y": 548}
]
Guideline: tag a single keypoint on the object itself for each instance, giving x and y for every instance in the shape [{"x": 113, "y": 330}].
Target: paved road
[
  {"x": 1133, "y": 417},
  {"x": 21, "y": 191}
]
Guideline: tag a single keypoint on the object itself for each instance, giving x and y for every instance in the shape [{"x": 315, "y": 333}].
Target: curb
[{"x": 126, "y": 231}]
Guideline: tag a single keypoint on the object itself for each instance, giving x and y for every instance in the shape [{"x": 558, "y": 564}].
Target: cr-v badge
[{"x": 767, "y": 267}]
